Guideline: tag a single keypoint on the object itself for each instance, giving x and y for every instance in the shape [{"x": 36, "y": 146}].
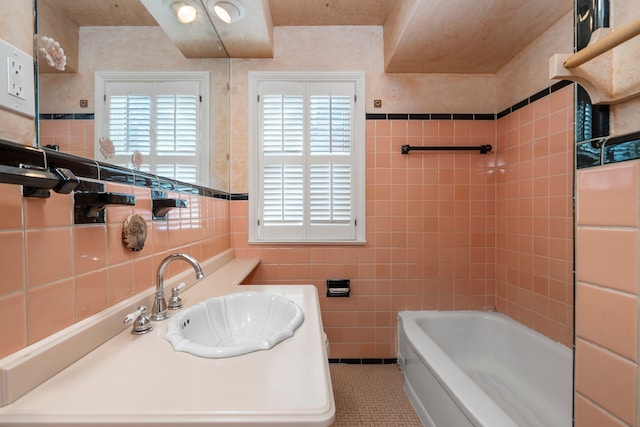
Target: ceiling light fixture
[
  {"x": 186, "y": 13},
  {"x": 228, "y": 11}
]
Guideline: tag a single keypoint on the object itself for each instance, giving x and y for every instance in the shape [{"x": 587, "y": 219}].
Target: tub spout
[{"x": 159, "y": 311}]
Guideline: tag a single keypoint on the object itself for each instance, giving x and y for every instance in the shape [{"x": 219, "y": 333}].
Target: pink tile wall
[
  {"x": 430, "y": 237},
  {"x": 56, "y": 273},
  {"x": 607, "y": 295},
  {"x": 534, "y": 227},
  {"x": 73, "y": 136}
]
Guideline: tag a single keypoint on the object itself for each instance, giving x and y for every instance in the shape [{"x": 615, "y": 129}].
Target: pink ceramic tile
[
  {"x": 121, "y": 282},
  {"x": 89, "y": 248},
  {"x": 116, "y": 251},
  {"x": 10, "y": 207},
  {"x": 608, "y": 257},
  {"x": 607, "y": 379},
  {"x": 61, "y": 127},
  {"x": 561, "y": 99},
  {"x": 91, "y": 294},
  {"x": 145, "y": 273},
  {"x": 588, "y": 414},
  {"x": 49, "y": 255},
  {"x": 118, "y": 213},
  {"x": 46, "y": 127},
  {"x": 12, "y": 323},
  {"x": 12, "y": 261},
  {"x": 50, "y": 309},
  {"x": 608, "y": 195},
  {"x": 143, "y": 202},
  {"x": 383, "y": 128},
  {"x": 608, "y": 318}
]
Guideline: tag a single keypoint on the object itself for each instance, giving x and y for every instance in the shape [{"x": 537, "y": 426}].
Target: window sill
[{"x": 310, "y": 242}]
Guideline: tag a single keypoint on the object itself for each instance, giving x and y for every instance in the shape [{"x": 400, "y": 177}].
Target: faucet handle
[
  {"x": 175, "y": 302},
  {"x": 140, "y": 319}
]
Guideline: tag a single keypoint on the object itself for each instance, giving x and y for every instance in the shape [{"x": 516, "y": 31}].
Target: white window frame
[
  {"x": 204, "y": 128},
  {"x": 358, "y": 146}
]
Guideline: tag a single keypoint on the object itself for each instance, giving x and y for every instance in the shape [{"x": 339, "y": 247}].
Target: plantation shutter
[
  {"x": 160, "y": 121},
  {"x": 306, "y": 162}
]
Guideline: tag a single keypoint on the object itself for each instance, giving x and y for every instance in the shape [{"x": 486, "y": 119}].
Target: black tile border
[
  {"x": 365, "y": 361},
  {"x": 471, "y": 116},
  {"x": 430, "y": 116},
  {"x": 13, "y": 154},
  {"x": 66, "y": 116},
  {"x": 535, "y": 97},
  {"x": 239, "y": 196}
]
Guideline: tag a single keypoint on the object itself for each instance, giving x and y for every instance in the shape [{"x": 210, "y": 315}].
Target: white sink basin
[{"x": 234, "y": 324}]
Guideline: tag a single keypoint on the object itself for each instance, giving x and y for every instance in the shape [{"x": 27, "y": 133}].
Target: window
[
  {"x": 306, "y": 157},
  {"x": 157, "y": 123}
]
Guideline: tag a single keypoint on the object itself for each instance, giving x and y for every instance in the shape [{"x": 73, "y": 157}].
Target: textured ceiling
[{"x": 420, "y": 36}]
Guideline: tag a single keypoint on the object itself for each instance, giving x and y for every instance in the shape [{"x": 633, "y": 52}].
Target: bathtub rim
[{"x": 472, "y": 400}]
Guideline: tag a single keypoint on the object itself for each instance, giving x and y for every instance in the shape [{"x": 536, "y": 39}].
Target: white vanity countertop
[{"x": 139, "y": 380}]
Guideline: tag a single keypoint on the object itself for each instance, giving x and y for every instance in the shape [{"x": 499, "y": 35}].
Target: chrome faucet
[{"x": 159, "y": 311}]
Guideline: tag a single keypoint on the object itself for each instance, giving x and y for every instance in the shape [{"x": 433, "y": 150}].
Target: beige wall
[
  {"x": 624, "y": 116},
  {"x": 528, "y": 72},
  {"x": 16, "y": 28}
]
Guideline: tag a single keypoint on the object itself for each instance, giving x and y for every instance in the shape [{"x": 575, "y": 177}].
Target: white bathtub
[{"x": 467, "y": 368}]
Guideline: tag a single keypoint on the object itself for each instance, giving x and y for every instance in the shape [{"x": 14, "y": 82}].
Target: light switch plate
[{"x": 16, "y": 80}]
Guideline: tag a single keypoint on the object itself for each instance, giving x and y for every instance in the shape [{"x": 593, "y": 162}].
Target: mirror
[{"x": 124, "y": 36}]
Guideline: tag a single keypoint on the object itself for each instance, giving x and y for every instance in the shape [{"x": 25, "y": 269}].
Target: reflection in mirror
[{"x": 124, "y": 36}]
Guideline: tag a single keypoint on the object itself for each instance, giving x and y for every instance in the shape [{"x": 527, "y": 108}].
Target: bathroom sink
[{"x": 234, "y": 324}]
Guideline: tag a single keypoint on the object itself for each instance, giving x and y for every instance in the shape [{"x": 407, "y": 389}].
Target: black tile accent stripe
[
  {"x": 397, "y": 117},
  {"x": 463, "y": 117},
  {"x": 441, "y": 116},
  {"x": 484, "y": 117},
  {"x": 419, "y": 116},
  {"x": 377, "y": 116},
  {"x": 66, "y": 116},
  {"x": 520, "y": 105},
  {"x": 468, "y": 116},
  {"x": 393, "y": 361},
  {"x": 535, "y": 97},
  {"x": 12, "y": 154}
]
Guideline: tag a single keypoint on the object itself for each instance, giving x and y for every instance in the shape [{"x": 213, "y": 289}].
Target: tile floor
[{"x": 370, "y": 395}]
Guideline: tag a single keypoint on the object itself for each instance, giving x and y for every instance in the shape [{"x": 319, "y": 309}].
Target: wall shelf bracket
[
  {"x": 607, "y": 67},
  {"x": 161, "y": 205},
  {"x": 89, "y": 206}
]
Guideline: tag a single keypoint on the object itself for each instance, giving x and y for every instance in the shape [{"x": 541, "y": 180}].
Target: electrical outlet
[
  {"x": 16, "y": 76},
  {"x": 15, "y": 71}
]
